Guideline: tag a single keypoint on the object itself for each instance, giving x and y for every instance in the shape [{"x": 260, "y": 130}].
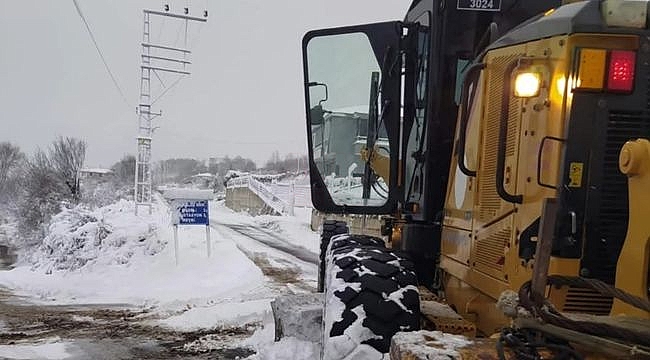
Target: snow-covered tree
[
  {"x": 67, "y": 157},
  {"x": 10, "y": 163}
]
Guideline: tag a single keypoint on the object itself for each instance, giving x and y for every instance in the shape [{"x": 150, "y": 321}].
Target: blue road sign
[{"x": 191, "y": 212}]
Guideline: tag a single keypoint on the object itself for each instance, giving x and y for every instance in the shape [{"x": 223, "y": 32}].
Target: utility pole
[{"x": 157, "y": 59}]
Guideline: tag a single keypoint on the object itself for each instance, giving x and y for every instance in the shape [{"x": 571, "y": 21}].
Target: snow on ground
[
  {"x": 111, "y": 256},
  {"x": 219, "y": 315},
  {"x": 129, "y": 274},
  {"x": 288, "y": 348},
  {"x": 53, "y": 349}
]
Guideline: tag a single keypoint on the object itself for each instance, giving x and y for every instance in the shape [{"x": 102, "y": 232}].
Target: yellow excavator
[{"x": 505, "y": 142}]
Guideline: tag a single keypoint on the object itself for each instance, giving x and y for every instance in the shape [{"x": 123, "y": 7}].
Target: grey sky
[{"x": 244, "y": 96}]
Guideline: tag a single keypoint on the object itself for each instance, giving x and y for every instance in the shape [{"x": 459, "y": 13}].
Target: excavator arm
[
  {"x": 379, "y": 163},
  {"x": 633, "y": 266}
]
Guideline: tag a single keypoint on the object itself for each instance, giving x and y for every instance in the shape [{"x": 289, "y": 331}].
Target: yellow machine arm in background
[
  {"x": 632, "y": 268},
  {"x": 379, "y": 163}
]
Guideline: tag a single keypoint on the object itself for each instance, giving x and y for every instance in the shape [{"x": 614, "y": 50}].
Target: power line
[
  {"x": 108, "y": 69},
  {"x": 168, "y": 88}
]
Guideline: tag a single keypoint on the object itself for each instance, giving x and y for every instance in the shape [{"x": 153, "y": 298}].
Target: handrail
[
  {"x": 464, "y": 116},
  {"x": 503, "y": 136}
]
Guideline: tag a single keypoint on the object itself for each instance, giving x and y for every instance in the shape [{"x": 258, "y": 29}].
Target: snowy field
[{"x": 110, "y": 257}]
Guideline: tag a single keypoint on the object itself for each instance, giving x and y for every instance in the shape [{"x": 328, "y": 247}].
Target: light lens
[
  {"x": 527, "y": 84},
  {"x": 621, "y": 71},
  {"x": 591, "y": 71}
]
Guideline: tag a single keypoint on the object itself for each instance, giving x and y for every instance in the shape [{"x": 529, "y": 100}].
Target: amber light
[
  {"x": 620, "y": 76},
  {"x": 591, "y": 70}
]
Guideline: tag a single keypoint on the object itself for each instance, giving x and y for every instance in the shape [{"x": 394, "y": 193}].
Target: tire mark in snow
[
  {"x": 272, "y": 240},
  {"x": 287, "y": 272}
]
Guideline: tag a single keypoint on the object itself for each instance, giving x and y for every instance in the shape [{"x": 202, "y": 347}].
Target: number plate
[{"x": 479, "y": 5}]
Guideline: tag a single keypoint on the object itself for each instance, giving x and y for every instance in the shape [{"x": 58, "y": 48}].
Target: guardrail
[{"x": 299, "y": 195}]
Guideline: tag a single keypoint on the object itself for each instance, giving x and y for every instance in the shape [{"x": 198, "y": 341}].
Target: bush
[{"x": 43, "y": 195}]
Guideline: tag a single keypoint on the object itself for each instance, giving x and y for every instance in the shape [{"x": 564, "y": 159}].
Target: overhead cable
[{"x": 108, "y": 69}]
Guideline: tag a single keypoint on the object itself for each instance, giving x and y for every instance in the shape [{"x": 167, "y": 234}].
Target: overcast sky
[{"x": 244, "y": 96}]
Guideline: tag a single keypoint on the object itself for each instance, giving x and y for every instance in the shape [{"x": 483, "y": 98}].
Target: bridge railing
[
  {"x": 261, "y": 191},
  {"x": 280, "y": 197}
]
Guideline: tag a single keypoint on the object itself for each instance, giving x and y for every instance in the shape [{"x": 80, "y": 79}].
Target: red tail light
[{"x": 621, "y": 71}]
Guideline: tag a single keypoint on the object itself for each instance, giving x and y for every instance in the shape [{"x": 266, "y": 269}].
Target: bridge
[{"x": 257, "y": 197}]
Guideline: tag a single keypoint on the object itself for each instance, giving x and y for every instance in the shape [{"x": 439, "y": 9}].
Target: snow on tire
[
  {"x": 371, "y": 294},
  {"x": 345, "y": 240},
  {"x": 330, "y": 229}
]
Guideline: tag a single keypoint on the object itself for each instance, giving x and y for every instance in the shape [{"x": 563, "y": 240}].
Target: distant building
[{"x": 96, "y": 173}]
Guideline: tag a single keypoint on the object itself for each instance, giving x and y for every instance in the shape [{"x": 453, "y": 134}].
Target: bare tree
[
  {"x": 125, "y": 169},
  {"x": 10, "y": 158},
  {"x": 67, "y": 157},
  {"x": 291, "y": 162}
]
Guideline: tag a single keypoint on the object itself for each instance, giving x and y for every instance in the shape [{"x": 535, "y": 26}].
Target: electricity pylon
[{"x": 157, "y": 59}]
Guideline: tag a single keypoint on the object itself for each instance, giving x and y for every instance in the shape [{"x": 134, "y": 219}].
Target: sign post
[
  {"x": 176, "y": 243},
  {"x": 190, "y": 207},
  {"x": 207, "y": 237}
]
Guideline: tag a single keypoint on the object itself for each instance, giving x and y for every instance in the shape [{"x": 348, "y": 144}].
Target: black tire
[
  {"x": 355, "y": 240},
  {"x": 371, "y": 293},
  {"x": 330, "y": 228}
]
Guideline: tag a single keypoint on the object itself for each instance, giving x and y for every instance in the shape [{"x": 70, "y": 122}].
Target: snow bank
[
  {"x": 108, "y": 235},
  {"x": 220, "y": 315}
]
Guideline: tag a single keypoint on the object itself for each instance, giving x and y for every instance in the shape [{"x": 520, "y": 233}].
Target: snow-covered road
[{"x": 272, "y": 240}]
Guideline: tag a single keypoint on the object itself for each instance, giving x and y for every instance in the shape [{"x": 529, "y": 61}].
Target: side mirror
[{"x": 316, "y": 115}]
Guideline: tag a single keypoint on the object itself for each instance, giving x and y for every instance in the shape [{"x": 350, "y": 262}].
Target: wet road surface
[{"x": 108, "y": 332}]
